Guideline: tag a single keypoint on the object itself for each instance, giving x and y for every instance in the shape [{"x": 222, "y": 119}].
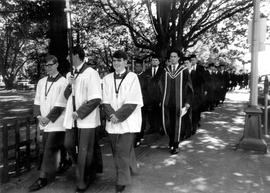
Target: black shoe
[
  {"x": 38, "y": 184},
  {"x": 175, "y": 150},
  {"x": 64, "y": 166},
  {"x": 119, "y": 188},
  {"x": 80, "y": 190}
]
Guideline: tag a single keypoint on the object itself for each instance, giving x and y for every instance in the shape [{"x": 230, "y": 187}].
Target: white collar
[
  {"x": 176, "y": 65},
  {"x": 122, "y": 72},
  {"x": 194, "y": 66},
  {"x": 79, "y": 67}
]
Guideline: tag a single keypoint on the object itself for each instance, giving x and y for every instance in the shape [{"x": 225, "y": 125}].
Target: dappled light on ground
[{"x": 209, "y": 162}]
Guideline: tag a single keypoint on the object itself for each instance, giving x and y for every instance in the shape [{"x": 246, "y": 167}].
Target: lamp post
[{"x": 252, "y": 137}]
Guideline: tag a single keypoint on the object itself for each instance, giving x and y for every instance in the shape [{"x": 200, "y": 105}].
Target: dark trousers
[
  {"x": 53, "y": 142},
  {"x": 154, "y": 117},
  {"x": 139, "y": 136},
  {"x": 124, "y": 157},
  {"x": 170, "y": 127},
  {"x": 89, "y": 158},
  {"x": 196, "y": 117}
]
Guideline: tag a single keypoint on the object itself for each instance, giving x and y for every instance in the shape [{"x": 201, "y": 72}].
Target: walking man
[
  {"x": 87, "y": 91},
  {"x": 153, "y": 107},
  {"x": 122, "y": 100},
  {"x": 176, "y": 90},
  {"x": 49, "y": 106}
]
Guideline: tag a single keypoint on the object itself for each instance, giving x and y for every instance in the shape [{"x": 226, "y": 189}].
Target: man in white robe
[
  {"x": 49, "y": 108},
  {"x": 122, "y": 101},
  {"x": 87, "y": 94}
]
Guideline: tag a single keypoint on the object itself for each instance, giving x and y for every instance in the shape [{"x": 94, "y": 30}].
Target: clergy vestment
[
  {"x": 176, "y": 89},
  {"x": 49, "y": 94},
  {"x": 87, "y": 99},
  {"x": 122, "y": 97},
  {"x": 50, "y": 102}
]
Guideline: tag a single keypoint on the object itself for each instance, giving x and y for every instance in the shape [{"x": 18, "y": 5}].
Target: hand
[
  {"x": 75, "y": 116},
  {"x": 71, "y": 79},
  {"x": 114, "y": 119},
  {"x": 43, "y": 121},
  {"x": 187, "y": 105}
]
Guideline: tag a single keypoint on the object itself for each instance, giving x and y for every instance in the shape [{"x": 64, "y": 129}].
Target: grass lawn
[{"x": 16, "y": 103}]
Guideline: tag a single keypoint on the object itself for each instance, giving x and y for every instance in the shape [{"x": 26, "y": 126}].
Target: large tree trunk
[
  {"x": 58, "y": 34},
  {"x": 9, "y": 83}
]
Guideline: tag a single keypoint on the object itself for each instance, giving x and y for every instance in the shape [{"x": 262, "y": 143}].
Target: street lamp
[{"x": 252, "y": 137}]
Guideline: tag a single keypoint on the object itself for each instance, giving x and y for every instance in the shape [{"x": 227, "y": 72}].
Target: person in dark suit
[
  {"x": 138, "y": 67},
  {"x": 223, "y": 77},
  {"x": 198, "y": 82},
  {"x": 210, "y": 87},
  {"x": 153, "y": 98}
]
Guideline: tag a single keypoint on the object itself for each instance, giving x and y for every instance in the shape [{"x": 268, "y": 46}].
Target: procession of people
[{"x": 166, "y": 98}]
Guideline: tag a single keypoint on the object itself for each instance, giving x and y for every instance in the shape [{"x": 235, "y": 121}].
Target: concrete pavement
[{"x": 207, "y": 163}]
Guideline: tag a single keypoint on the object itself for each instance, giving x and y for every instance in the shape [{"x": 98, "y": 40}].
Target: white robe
[
  {"x": 55, "y": 97},
  {"x": 129, "y": 93},
  {"x": 87, "y": 87}
]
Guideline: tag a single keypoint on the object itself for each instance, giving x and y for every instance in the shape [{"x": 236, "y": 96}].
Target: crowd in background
[{"x": 211, "y": 81}]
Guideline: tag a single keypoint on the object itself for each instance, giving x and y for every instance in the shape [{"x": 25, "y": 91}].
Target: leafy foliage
[{"x": 22, "y": 38}]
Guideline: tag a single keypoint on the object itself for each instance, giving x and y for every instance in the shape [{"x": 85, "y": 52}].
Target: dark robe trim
[
  {"x": 179, "y": 104},
  {"x": 68, "y": 91},
  {"x": 86, "y": 108},
  {"x": 55, "y": 79},
  {"x": 36, "y": 110},
  {"x": 83, "y": 68},
  {"x": 55, "y": 113},
  {"x": 125, "y": 111},
  {"x": 108, "y": 110}
]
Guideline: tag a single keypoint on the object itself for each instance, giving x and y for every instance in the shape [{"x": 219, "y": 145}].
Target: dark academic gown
[
  {"x": 176, "y": 90},
  {"x": 152, "y": 99},
  {"x": 198, "y": 83},
  {"x": 144, "y": 85}
]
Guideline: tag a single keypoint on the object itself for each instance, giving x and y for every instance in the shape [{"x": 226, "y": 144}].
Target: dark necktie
[
  {"x": 154, "y": 71},
  {"x": 173, "y": 69}
]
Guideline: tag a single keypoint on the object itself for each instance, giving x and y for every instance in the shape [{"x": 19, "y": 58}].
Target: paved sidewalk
[{"x": 207, "y": 163}]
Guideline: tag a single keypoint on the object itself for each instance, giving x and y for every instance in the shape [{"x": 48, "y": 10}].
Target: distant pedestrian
[
  {"x": 153, "y": 105},
  {"x": 49, "y": 106},
  {"x": 143, "y": 79},
  {"x": 198, "y": 79},
  {"x": 87, "y": 91},
  {"x": 122, "y": 100}
]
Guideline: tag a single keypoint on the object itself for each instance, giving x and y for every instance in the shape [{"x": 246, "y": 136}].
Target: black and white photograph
[{"x": 135, "y": 96}]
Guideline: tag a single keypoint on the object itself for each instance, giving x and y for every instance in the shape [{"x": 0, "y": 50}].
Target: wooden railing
[{"x": 19, "y": 146}]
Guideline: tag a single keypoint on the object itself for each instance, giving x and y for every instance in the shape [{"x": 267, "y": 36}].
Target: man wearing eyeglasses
[{"x": 49, "y": 106}]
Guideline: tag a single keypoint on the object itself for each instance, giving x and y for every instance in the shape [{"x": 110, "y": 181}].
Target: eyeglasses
[{"x": 49, "y": 64}]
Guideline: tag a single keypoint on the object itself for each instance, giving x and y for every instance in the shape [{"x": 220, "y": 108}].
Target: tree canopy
[
  {"x": 22, "y": 36},
  {"x": 158, "y": 25},
  {"x": 211, "y": 28}
]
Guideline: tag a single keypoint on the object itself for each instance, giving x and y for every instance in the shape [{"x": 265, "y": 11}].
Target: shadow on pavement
[{"x": 208, "y": 162}]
